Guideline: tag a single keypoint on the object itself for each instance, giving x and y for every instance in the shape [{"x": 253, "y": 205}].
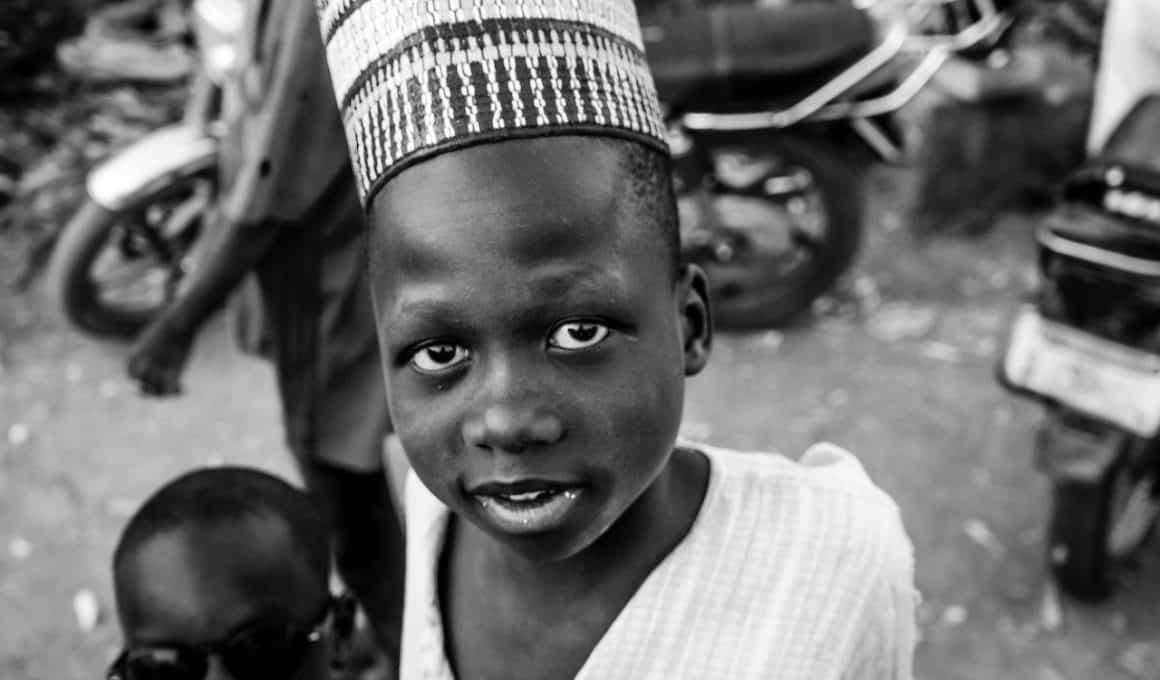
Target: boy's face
[
  {"x": 193, "y": 587},
  {"x": 535, "y": 338}
]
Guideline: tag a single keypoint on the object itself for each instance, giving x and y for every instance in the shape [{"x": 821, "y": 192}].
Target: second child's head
[{"x": 224, "y": 573}]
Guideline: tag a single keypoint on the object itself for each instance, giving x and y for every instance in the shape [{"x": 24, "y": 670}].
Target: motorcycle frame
[
  {"x": 163, "y": 156},
  {"x": 157, "y": 159},
  {"x": 1090, "y": 461},
  {"x": 1086, "y": 461},
  {"x": 168, "y": 154},
  {"x": 1096, "y": 449},
  {"x": 1098, "y": 256},
  {"x": 1086, "y": 454},
  {"x": 824, "y": 104}
]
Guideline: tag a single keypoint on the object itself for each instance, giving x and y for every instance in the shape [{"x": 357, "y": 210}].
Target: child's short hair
[
  {"x": 650, "y": 182},
  {"x": 218, "y": 495}
]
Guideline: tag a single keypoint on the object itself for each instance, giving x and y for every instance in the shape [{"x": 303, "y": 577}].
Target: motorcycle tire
[
  {"x": 69, "y": 280},
  {"x": 839, "y": 182},
  {"x": 1083, "y": 516}
]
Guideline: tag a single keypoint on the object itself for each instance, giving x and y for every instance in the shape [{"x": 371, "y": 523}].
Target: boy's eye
[
  {"x": 576, "y": 335},
  {"x": 439, "y": 356}
]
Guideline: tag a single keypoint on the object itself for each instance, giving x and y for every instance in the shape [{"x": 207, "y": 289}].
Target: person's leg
[
  {"x": 334, "y": 404},
  {"x": 353, "y": 419},
  {"x": 1129, "y": 65},
  {"x": 323, "y": 337},
  {"x": 352, "y": 422}
]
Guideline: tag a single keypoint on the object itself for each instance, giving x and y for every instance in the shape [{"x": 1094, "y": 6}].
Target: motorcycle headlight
[{"x": 217, "y": 26}]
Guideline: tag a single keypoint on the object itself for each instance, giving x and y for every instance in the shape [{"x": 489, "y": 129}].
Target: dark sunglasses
[{"x": 266, "y": 649}]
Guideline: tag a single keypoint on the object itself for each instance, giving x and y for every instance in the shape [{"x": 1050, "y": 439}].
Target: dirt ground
[{"x": 898, "y": 367}]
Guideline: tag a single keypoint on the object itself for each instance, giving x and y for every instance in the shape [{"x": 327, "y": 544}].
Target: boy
[
  {"x": 224, "y": 573},
  {"x": 536, "y": 328}
]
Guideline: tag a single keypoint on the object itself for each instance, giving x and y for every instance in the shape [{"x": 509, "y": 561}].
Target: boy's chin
[{"x": 543, "y": 548}]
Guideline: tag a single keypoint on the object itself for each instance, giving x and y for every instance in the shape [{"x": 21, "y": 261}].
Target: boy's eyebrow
[
  {"x": 426, "y": 301},
  {"x": 573, "y": 279},
  {"x": 422, "y": 307}
]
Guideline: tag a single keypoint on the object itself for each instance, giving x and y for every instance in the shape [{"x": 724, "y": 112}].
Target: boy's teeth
[
  {"x": 530, "y": 511},
  {"x": 534, "y": 496},
  {"x": 525, "y": 497}
]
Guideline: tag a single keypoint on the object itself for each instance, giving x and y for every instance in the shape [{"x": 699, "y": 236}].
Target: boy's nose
[{"x": 511, "y": 428}]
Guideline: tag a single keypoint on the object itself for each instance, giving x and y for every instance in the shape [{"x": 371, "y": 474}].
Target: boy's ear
[{"x": 696, "y": 317}]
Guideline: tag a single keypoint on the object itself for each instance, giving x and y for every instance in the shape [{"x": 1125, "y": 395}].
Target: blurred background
[{"x": 896, "y": 361}]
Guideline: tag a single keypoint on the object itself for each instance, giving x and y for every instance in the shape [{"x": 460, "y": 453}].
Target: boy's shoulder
[
  {"x": 825, "y": 500},
  {"x": 824, "y": 469}
]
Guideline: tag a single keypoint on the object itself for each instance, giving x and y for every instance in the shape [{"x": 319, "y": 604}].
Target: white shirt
[{"x": 791, "y": 571}]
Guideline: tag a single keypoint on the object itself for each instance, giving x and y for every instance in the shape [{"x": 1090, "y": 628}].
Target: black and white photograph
[{"x": 594, "y": 339}]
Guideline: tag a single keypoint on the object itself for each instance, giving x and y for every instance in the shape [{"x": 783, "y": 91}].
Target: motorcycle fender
[
  {"x": 154, "y": 160},
  {"x": 1063, "y": 451}
]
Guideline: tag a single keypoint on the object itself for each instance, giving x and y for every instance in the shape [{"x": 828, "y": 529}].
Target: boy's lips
[{"x": 527, "y": 506}]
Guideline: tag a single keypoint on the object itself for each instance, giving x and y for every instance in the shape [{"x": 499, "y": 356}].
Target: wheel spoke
[
  {"x": 805, "y": 239},
  {"x": 772, "y": 204},
  {"x": 131, "y": 276},
  {"x": 123, "y": 274},
  {"x": 772, "y": 238}
]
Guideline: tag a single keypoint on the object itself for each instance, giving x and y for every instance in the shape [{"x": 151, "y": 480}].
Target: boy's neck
[{"x": 647, "y": 532}]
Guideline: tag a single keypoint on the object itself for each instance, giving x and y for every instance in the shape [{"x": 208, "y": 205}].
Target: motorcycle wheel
[
  {"x": 1095, "y": 529},
  {"x": 113, "y": 271},
  {"x": 789, "y": 213}
]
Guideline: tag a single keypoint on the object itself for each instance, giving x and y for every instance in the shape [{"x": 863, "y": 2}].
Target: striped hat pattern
[{"x": 416, "y": 78}]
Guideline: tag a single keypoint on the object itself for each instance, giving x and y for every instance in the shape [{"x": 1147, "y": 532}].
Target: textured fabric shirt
[{"x": 791, "y": 571}]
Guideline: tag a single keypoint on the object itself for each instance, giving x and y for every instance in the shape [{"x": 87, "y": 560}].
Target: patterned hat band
[{"x": 416, "y": 78}]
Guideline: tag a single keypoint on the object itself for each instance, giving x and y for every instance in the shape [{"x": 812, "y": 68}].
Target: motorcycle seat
[
  {"x": 718, "y": 58},
  {"x": 1112, "y": 202},
  {"x": 1091, "y": 226}
]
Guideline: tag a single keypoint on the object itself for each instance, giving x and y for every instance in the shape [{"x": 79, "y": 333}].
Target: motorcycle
[
  {"x": 1088, "y": 348},
  {"x": 120, "y": 259},
  {"x": 770, "y": 112},
  {"x": 774, "y": 114}
]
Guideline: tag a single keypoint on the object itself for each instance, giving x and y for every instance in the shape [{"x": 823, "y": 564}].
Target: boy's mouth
[{"x": 527, "y": 507}]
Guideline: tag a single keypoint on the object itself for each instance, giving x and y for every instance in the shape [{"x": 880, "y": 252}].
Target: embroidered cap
[{"x": 415, "y": 78}]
